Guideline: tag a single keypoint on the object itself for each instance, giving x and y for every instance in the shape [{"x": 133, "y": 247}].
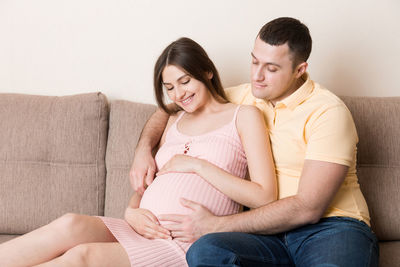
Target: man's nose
[{"x": 258, "y": 74}]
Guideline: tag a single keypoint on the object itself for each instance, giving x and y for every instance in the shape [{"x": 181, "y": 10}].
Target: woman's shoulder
[
  {"x": 248, "y": 116},
  {"x": 248, "y": 110}
]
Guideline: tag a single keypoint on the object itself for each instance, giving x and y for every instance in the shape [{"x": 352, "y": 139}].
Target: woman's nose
[{"x": 180, "y": 92}]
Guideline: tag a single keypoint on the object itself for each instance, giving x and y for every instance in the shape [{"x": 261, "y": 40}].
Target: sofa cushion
[
  {"x": 52, "y": 153},
  {"x": 4, "y": 238},
  {"x": 378, "y": 160},
  {"x": 389, "y": 255},
  {"x": 126, "y": 123}
]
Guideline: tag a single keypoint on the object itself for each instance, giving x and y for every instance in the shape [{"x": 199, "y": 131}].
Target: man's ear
[{"x": 301, "y": 69}]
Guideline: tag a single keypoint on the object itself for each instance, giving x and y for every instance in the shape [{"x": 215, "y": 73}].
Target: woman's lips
[{"x": 187, "y": 100}]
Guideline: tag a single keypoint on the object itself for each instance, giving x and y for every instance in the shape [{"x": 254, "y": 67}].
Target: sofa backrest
[
  {"x": 378, "y": 160},
  {"x": 51, "y": 158},
  {"x": 126, "y": 123}
]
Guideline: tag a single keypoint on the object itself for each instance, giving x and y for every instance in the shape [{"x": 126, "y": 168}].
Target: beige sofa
[{"x": 73, "y": 154}]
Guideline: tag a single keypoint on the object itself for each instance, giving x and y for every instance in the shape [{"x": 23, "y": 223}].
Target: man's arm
[
  {"x": 143, "y": 167},
  {"x": 318, "y": 185}
]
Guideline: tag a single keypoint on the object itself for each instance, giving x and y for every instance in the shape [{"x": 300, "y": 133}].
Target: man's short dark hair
[{"x": 291, "y": 31}]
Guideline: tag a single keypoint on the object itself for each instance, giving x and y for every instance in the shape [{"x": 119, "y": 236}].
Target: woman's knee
[
  {"x": 79, "y": 255},
  {"x": 70, "y": 224}
]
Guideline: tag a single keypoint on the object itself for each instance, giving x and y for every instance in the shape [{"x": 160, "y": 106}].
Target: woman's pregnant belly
[{"x": 162, "y": 196}]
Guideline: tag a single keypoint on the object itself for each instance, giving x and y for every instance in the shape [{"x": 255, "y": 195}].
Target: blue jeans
[{"x": 334, "y": 241}]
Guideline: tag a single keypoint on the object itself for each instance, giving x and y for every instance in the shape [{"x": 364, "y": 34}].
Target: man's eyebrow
[
  {"x": 266, "y": 63},
  {"x": 180, "y": 78}
]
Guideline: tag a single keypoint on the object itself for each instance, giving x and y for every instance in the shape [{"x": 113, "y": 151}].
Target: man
[{"x": 321, "y": 217}]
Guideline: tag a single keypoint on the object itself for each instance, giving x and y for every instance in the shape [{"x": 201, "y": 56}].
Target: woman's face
[{"x": 184, "y": 90}]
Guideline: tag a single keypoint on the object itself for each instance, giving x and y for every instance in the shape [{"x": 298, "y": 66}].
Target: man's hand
[
  {"x": 189, "y": 228},
  {"x": 145, "y": 223},
  {"x": 143, "y": 170}
]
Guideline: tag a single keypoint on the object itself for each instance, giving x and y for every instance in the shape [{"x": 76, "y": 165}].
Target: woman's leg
[
  {"x": 53, "y": 239},
  {"x": 92, "y": 254}
]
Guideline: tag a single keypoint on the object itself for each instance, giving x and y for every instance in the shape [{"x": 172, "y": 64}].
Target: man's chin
[{"x": 259, "y": 93}]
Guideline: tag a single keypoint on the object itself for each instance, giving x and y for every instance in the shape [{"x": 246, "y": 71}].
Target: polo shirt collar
[{"x": 300, "y": 94}]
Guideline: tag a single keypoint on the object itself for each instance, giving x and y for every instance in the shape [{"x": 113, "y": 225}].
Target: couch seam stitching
[{"x": 98, "y": 153}]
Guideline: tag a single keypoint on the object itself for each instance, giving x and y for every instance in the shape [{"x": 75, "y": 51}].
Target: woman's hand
[
  {"x": 181, "y": 163},
  {"x": 145, "y": 223}
]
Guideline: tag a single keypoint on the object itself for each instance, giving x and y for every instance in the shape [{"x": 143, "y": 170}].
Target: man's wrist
[
  {"x": 220, "y": 224},
  {"x": 144, "y": 147}
]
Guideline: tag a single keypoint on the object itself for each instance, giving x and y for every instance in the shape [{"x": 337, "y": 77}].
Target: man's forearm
[
  {"x": 153, "y": 130},
  {"x": 318, "y": 186},
  {"x": 134, "y": 202},
  {"x": 273, "y": 218}
]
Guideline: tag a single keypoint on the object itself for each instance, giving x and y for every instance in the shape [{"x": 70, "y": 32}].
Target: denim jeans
[{"x": 334, "y": 241}]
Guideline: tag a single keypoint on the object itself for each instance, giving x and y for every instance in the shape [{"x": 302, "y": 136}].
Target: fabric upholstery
[
  {"x": 4, "y": 238},
  {"x": 378, "y": 160},
  {"x": 389, "y": 255},
  {"x": 51, "y": 158},
  {"x": 126, "y": 122}
]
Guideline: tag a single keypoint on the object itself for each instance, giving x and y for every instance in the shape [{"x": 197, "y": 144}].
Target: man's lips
[{"x": 256, "y": 84}]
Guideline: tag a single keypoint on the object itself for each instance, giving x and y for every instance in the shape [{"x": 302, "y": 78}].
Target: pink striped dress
[{"x": 221, "y": 147}]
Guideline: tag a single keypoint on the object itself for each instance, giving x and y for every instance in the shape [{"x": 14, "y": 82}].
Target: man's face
[{"x": 272, "y": 75}]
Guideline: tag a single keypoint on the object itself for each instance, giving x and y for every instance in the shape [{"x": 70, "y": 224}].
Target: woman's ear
[{"x": 210, "y": 75}]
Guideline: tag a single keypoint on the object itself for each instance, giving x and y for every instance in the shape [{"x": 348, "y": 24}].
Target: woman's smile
[{"x": 187, "y": 100}]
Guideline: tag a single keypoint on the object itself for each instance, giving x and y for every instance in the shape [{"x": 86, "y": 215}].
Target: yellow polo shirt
[{"x": 314, "y": 124}]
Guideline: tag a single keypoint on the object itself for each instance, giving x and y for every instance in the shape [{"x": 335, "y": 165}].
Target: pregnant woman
[{"x": 204, "y": 154}]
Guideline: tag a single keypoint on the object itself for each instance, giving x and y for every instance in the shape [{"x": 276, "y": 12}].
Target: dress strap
[
  {"x": 179, "y": 117},
  {"x": 174, "y": 126},
  {"x": 235, "y": 114}
]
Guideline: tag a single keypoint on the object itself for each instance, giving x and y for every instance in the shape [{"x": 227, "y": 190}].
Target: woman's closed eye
[{"x": 186, "y": 81}]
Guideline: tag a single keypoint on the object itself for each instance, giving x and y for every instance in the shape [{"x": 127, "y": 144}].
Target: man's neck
[{"x": 293, "y": 88}]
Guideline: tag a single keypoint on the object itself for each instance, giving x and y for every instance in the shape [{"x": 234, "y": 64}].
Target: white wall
[{"x": 55, "y": 47}]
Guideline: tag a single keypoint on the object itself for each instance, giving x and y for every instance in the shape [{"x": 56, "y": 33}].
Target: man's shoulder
[
  {"x": 324, "y": 98},
  {"x": 323, "y": 104},
  {"x": 240, "y": 87},
  {"x": 240, "y": 94}
]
